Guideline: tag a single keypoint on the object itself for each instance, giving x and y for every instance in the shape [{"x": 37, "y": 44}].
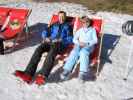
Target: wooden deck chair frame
[{"x": 100, "y": 48}]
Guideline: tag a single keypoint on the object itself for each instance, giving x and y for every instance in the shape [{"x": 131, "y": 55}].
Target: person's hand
[
  {"x": 57, "y": 40},
  {"x": 47, "y": 40},
  {"x": 54, "y": 41},
  {"x": 82, "y": 44}
]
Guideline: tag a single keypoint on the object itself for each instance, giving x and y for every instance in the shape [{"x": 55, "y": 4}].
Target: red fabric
[
  {"x": 19, "y": 13},
  {"x": 21, "y": 16},
  {"x": 25, "y": 77},
  {"x": 40, "y": 79},
  {"x": 3, "y": 14},
  {"x": 4, "y": 11},
  {"x": 78, "y": 24},
  {"x": 54, "y": 19},
  {"x": 97, "y": 24},
  {"x": 10, "y": 33},
  {"x": 94, "y": 54}
]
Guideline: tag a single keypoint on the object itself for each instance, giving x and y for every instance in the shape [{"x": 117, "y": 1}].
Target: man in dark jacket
[{"x": 53, "y": 43}]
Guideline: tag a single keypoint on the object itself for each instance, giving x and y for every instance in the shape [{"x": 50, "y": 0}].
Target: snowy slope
[{"x": 108, "y": 86}]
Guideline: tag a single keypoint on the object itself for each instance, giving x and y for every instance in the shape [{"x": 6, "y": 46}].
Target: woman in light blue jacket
[{"x": 84, "y": 40}]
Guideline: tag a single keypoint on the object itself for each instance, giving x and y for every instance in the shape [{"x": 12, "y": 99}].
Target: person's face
[
  {"x": 61, "y": 18},
  {"x": 86, "y": 23}
]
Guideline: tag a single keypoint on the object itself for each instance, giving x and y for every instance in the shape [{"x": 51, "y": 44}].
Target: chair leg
[
  {"x": 14, "y": 44},
  {"x": 98, "y": 67},
  {"x": 27, "y": 31},
  {"x": 100, "y": 49},
  {"x": 129, "y": 59},
  {"x": 15, "y": 41}
]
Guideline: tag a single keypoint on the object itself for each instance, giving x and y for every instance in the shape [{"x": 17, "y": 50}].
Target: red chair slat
[
  {"x": 54, "y": 19},
  {"x": 19, "y": 13},
  {"x": 4, "y": 11},
  {"x": 97, "y": 24},
  {"x": 3, "y": 14}
]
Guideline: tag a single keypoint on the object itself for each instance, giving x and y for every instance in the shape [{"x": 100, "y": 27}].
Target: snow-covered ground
[{"x": 109, "y": 85}]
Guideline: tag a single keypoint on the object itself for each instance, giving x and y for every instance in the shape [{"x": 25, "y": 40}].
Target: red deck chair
[
  {"x": 4, "y": 12},
  {"x": 19, "y": 17},
  {"x": 76, "y": 24}
]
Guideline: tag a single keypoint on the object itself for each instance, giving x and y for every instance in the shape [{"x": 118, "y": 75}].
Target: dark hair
[{"x": 62, "y": 12}]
